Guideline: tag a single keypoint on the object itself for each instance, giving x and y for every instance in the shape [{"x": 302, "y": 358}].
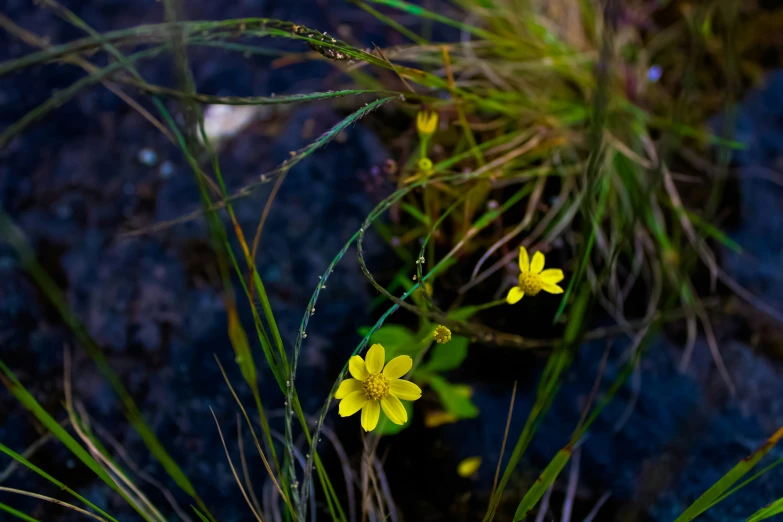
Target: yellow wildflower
[
  {"x": 426, "y": 123},
  {"x": 533, "y": 278},
  {"x": 442, "y": 335},
  {"x": 468, "y": 467},
  {"x": 425, "y": 166},
  {"x": 375, "y": 387}
]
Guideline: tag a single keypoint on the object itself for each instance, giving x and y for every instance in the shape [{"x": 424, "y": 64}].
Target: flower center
[
  {"x": 376, "y": 386},
  {"x": 442, "y": 335},
  {"x": 531, "y": 283}
]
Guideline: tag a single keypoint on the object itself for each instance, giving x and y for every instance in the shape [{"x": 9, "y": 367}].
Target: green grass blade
[
  {"x": 416, "y": 10},
  {"x": 327, "y": 137},
  {"x": 258, "y": 100},
  {"x": 29, "y": 465},
  {"x": 776, "y": 508},
  {"x": 712, "y": 231},
  {"x": 543, "y": 482},
  {"x": 200, "y": 516},
  {"x": 200, "y": 30},
  {"x": 26, "y": 399},
  {"x": 69, "y": 92},
  {"x": 747, "y": 481},
  {"x": 17, "y": 513},
  {"x": 14, "y": 237},
  {"x": 706, "y": 500},
  {"x": 548, "y": 386},
  {"x": 391, "y": 22}
]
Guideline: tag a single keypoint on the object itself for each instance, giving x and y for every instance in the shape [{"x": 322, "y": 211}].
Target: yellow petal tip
[{"x": 468, "y": 467}]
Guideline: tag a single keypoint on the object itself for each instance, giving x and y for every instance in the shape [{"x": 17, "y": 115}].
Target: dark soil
[{"x": 75, "y": 184}]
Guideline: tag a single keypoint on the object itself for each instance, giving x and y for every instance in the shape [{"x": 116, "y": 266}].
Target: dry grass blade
[
  {"x": 133, "y": 493},
  {"x": 253, "y": 433},
  {"x": 233, "y": 470},
  {"x": 245, "y": 471},
  {"x": 143, "y": 475},
  {"x": 535, "y": 198},
  {"x": 53, "y": 501},
  {"x": 573, "y": 482},
  {"x": 34, "y": 40},
  {"x": 29, "y": 452},
  {"x": 594, "y": 512},
  {"x": 505, "y": 438}
]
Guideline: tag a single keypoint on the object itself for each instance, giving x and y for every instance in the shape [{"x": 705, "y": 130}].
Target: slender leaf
[
  {"x": 776, "y": 508},
  {"x": 29, "y": 465},
  {"x": 546, "y": 479},
  {"x": 27, "y": 400},
  {"x": 16, "y": 513},
  {"x": 706, "y": 500}
]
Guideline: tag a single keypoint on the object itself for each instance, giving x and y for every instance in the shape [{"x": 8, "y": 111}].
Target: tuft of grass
[{"x": 533, "y": 104}]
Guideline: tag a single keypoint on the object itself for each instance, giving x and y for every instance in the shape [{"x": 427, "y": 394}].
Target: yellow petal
[
  {"x": 434, "y": 419},
  {"x": 552, "y": 275},
  {"x": 524, "y": 260},
  {"x": 352, "y": 403},
  {"x": 346, "y": 387},
  {"x": 404, "y": 390},
  {"x": 468, "y": 467},
  {"x": 551, "y": 288},
  {"x": 394, "y": 409},
  {"x": 514, "y": 295},
  {"x": 537, "y": 264},
  {"x": 371, "y": 412},
  {"x": 398, "y": 367},
  {"x": 357, "y": 368},
  {"x": 376, "y": 356}
]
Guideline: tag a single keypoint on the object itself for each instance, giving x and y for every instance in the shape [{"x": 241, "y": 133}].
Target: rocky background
[{"x": 94, "y": 170}]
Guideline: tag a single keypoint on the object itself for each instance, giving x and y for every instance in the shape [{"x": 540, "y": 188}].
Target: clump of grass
[{"x": 545, "y": 130}]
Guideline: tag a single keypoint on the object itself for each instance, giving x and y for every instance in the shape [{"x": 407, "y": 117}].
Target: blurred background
[{"x": 98, "y": 193}]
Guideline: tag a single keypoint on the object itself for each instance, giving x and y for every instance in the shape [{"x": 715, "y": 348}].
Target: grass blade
[
  {"x": 776, "y": 508},
  {"x": 707, "y": 499},
  {"x": 29, "y": 465},
  {"x": 14, "y": 237},
  {"x": 416, "y": 10},
  {"x": 27, "y": 400},
  {"x": 16, "y": 513},
  {"x": 543, "y": 482}
]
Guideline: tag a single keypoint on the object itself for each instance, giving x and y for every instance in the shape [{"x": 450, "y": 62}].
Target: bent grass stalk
[{"x": 599, "y": 176}]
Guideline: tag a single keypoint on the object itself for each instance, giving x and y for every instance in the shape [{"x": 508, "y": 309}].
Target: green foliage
[
  {"x": 455, "y": 397},
  {"x": 532, "y": 106},
  {"x": 396, "y": 340},
  {"x": 447, "y": 356}
]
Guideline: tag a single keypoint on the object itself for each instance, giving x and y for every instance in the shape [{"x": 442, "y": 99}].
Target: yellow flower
[
  {"x": 468, "y": 467},
  {"x": 426, "y": 123},
  {"x": 425, "y": 166},
  {"x": 533, "y": 278},
  {"x": 375, "y": 387},
  {"x": 442, "y": 335}
]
